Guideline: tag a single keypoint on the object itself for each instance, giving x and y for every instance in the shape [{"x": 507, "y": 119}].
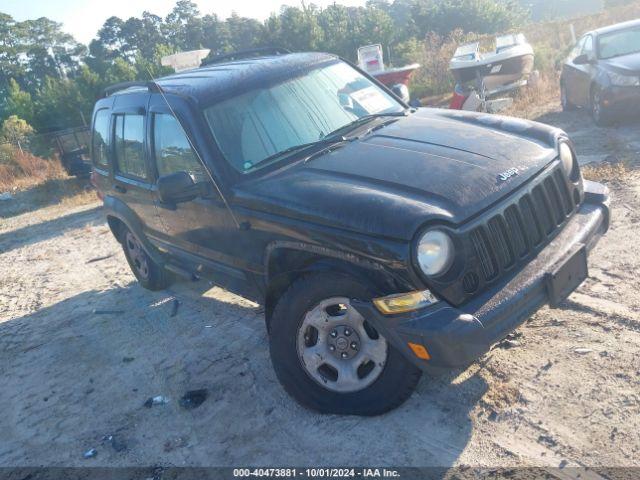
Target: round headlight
[
  {"x": 567, "y": 159},
  {"x": 435, "y": 252}
]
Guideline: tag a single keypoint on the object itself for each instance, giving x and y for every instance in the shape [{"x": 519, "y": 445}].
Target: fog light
[{"x": 404, "y": 302}]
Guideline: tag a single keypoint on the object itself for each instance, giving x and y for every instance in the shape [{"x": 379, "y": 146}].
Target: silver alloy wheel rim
[
  {"x": 137, "y": 255},
  {"x": 345, "y": 357}
]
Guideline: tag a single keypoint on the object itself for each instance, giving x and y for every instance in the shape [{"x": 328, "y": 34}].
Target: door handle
[{"x": 120, "y": 188}]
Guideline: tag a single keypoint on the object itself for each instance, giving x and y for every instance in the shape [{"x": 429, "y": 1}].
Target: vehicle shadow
[
  {"x": 47, "y": 229},
  {"x": 48, "y": 193},
  {"x": 79, "y": 371}
]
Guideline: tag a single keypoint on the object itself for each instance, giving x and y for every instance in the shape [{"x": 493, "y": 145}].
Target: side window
[
  {"x": 129, "y": 143},
  {"x": 171, "y": 147},
  {"x": 588, "y": 46},
  {"x": 100, "y": 139}
]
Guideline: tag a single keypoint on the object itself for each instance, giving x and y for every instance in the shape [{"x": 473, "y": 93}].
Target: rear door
[{"x": 132, "y": 178}]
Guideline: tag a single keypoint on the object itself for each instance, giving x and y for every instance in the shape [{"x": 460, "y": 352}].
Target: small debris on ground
[
  {"x": 174, "y": 307},
  {"x": 582, "y": 351},
  {"x": 128, "y": 359},
  {"x": 174, "y": 443},
  {"x": 97, "y": 259},
  {"x": 90, "y": 453},
  {"x": 116, "y": 443},
  {"x": 193, "y": 398},
  {"x": 507, "y": 343},
  {"x": 547, "y": 440},
  {"x": 107, "y": 312},
  {"x": 157, "y": 400}
]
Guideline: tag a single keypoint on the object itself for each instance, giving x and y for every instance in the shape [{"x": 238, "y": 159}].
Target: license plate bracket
[{"x": 567, "y": 275}]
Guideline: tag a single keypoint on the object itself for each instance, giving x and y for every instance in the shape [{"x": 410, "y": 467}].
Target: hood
[
  {"x": 624, "y": 65},
  {"x": 432, "y": 165}
]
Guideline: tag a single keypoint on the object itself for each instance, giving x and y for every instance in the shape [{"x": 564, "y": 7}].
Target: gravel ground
[{"x": 563, "y": 391}]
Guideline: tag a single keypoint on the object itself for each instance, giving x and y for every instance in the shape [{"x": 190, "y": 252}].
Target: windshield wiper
[
  {"x": 367, "y": 118},
  {"x": 327, "y": 140}
]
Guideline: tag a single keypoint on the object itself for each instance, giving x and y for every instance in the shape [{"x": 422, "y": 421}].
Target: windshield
[
  {"x": 622, "y": 42},
  {"x": 252, "y": 128}
]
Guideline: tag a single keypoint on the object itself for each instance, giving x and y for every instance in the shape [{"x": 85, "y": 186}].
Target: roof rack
[
  {"x": 251, "y": 53},
  {"x": 151, "y": 86}
]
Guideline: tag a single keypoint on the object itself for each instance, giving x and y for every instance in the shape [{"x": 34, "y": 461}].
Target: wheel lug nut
[
  {"x": 354, "y": 345},
  {"x": 347, "y": 332},
  {"x": 344, "y": 355},
  {"x": 334, "y": 333},
  {"x": 332, "y": 347}
]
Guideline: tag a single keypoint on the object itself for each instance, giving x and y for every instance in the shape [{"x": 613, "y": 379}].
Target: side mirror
[
  {"x": 176, "y": 188},
  {"x": 582, "y": 59}
]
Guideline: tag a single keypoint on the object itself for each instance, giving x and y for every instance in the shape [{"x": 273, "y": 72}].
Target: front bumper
[
  {"x": 622, "y": 100},
  {"x": 456, "y": 336}
]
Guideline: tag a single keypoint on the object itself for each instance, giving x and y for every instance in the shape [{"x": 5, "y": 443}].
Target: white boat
[{"x": 506, "y": 67}]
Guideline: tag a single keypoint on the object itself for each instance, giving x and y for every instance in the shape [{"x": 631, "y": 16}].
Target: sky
[{"x": 83, "y": 18}]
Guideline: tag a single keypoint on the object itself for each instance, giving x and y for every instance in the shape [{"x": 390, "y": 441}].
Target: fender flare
[{"x": 114, "y": 207}]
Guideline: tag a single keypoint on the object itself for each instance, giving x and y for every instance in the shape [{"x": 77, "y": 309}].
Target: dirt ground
[{"x": 83, "y": 346}]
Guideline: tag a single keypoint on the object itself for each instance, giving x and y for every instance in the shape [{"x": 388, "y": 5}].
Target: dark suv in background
[
  {"x": 602, "y": 73},
  {"x": 383, "y": 241}
]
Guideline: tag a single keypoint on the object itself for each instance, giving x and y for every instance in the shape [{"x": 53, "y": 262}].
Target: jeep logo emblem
[{"x": 507, "y": 174}]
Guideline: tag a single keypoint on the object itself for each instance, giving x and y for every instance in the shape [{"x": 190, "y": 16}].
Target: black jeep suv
[{"x": 383, "y": 241}]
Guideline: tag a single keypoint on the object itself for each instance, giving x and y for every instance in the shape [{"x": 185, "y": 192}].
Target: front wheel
[
  {"x": 600, "y": 114},
  {"x": 328, "y": 357}
]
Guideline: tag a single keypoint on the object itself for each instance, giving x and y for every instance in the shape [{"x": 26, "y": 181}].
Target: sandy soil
[{"x": 73, "y": 378}]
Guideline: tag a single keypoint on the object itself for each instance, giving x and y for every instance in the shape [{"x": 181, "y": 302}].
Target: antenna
[{"x": 215, "y": 184}]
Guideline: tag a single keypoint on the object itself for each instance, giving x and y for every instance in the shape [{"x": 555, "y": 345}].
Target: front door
[
  {"x": 583, "y": 74},
  {"x": 196, "y": 231}
]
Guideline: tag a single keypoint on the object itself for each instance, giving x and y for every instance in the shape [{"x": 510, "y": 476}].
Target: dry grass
[
  {"x": 605, "y": 172},
  {"x": 19, "y": 170},
  {"x": 531, "y": 101},
  {"x": 35, "y": 182}
]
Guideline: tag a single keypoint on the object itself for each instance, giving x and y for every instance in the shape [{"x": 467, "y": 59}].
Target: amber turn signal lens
[
  {"x": 420, "y": 351},
  {"x": 404, "y": 302}
]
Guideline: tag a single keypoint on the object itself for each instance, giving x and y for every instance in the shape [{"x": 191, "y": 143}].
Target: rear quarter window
[{"x": 100, "y": 139}]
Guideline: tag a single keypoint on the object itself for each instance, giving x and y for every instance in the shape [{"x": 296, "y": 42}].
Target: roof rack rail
[
  {"x": 251, "y": 53},
  {"x": 151, "y": 86}
]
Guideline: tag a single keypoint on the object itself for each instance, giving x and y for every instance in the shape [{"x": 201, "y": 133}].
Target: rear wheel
[
  {"x": 328, "y": 357},
  {"x": 150, "y": 275},
  {"x": 600, "y": 114}
]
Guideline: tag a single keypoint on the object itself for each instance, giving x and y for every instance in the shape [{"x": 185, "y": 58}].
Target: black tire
[
  {"x": 599, "y": 113},
  {"x": 567, "y": 106},
  {"x": 393, "y": 385},
  {"x": 148, "y": 273}
]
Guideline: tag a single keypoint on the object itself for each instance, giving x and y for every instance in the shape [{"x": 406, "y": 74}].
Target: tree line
[{"x": 51, "y": 81}]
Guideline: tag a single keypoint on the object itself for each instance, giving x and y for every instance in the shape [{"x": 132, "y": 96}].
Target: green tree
[
  {"x": 17, "y": 102},
  {"x": 15, "y": 130}
]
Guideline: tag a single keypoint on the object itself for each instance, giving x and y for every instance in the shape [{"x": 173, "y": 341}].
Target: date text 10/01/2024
[{"x": 316, "y": 472}]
